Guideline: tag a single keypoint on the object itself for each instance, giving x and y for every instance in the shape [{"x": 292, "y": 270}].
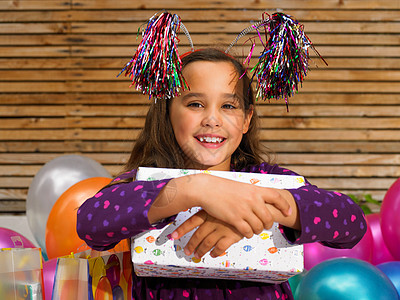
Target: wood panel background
[{"x": 60, "y": 95}]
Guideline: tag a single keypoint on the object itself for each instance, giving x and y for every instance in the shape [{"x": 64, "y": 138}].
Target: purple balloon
[
  {"x": 380, "y": 252},
  {"x": 49, "y": 270},
  {"x": 12, "y": 239},
  {"x": 113, "y": 270},
  {"x": 390, "y": 221},
  {"x": 316, "y": 253}
]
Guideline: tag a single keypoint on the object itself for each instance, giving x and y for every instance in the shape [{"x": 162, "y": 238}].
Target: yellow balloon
[{"x": 97, "y": 272}]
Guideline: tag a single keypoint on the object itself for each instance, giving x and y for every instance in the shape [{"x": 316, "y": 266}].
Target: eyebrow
[
  {"x": 202, "y": 95},
  {"x": 234, "y": 96},
  {"x": 190, "y": 94}
]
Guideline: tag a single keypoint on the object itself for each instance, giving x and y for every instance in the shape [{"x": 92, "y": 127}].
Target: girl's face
[{"x": 208, "y": 120}]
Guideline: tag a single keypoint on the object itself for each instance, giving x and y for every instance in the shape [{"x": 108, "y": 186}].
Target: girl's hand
[
  {"x": 244, "y": 206},
  {"x": 211, "y": 234}
]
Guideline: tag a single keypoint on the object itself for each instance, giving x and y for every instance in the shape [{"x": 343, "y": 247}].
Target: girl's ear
[{"x": 247, "y": 119}]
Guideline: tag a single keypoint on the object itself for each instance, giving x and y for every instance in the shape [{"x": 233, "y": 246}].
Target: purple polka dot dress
[{"x": 120, "y": 211}]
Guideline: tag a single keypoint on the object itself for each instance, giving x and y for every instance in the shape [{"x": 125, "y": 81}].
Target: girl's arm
[
  {"x": 329, "y": 217},
  {"x": 125, "y": 209},
  {"x": 118, "y": 212},
  {"x": 317, "y": 215},
  {"x": 238, "y": 204}
]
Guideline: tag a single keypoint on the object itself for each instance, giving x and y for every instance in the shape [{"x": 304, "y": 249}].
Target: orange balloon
[{"x": 61, "y": 236}]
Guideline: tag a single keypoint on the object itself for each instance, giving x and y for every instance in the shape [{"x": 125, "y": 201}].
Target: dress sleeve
[
  {"x": 118, "y": 211},
  {"x": 329, "y": 217}
]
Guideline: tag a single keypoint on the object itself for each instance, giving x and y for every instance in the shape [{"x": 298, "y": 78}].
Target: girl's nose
[{"x": 212, "y": 118}]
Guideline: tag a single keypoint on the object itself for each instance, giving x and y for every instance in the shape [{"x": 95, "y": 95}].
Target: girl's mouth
[
  {"x": 212, "y": 142},
  {"x": 209, "y": 139}
]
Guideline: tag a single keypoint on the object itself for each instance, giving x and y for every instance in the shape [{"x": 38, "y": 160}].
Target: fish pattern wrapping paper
[{"x": 267, "y": 257}]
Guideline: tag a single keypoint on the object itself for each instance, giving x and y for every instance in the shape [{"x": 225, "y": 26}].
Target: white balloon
[{"x": 52, "y": 180}]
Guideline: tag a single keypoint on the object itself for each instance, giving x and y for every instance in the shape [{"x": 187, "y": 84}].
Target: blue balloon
[
  {"x": 392, "y": 270},
  {"x": 345, "y": 279},
  {"x": 118, "y": 293}
]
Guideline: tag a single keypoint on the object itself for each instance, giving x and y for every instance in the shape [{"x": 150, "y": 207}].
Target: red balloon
[
  {"x": 127, "y": 265},
  {"x": 380, "y": 252},
  {"x": 316, "y": 253},
  {"x": 390, "y": 220}
]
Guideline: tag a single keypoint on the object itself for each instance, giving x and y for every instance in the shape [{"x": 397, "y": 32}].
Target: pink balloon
[
  {"x": 390, "y": 220},
  {"x": 12, "y": 239},
  {"x": 380, "y": 252},
  {"x": 315, "y": 253},
  {"x": 49, "y": 270}
]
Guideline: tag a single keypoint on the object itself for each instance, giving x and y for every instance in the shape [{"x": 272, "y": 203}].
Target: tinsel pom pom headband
[{"x": 155, "y": 68}]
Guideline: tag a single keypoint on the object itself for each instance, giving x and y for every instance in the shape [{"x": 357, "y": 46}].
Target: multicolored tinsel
[
  {"x": 155, "y": 68},
  {"x": 283, "y": 63}
]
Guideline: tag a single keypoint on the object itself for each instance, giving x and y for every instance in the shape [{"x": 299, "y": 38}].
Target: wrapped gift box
[{"x": 266, "y": 257}]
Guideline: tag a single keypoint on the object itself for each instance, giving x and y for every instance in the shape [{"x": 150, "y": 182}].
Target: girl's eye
[
  {"x": 194, "y": 104},
  {"x": 228, "y": 106}
]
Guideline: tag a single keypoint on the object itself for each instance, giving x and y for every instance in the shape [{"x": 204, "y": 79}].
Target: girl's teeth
[{"x": 208, "y": 139}]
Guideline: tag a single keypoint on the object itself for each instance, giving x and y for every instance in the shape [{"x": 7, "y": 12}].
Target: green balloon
[{"x": 295, "y": 281}]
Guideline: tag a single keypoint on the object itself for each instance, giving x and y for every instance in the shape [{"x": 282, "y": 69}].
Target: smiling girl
[{"x": 213, "y": 126}]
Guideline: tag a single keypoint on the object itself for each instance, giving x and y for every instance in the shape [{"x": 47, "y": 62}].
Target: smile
[
  {"x": 209, "y": 139},
  {"x": 211, "y": 142}
]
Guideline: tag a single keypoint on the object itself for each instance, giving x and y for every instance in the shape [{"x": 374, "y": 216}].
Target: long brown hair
[{"x": 156, "y": 145}]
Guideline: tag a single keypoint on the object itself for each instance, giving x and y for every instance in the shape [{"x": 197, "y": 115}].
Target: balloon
[
  {"x": 12, "y": 239},
  {"x": 49, "y": 270},
  {"x": 103, "y": 290},
  {"x": 123, "y": 284},
  {"x": 315, "y": 253},
  {"x": 345, "y": 279},
  {"x": 380, "y": 253},
  {"x": 98, "y": 271},
  {"x": 392, "y": 270},
  {"x": 53, "y": 179},
  {"x": 113, "y": 270},
  {"x": 390, "y": 221},
  {"x": 294, "y": 281},
  {"x": 130, "y": 285},
  {"x": 126, "y": 265},
  {"x": 118, "y": 293},
  {"x": 61, "y": 235}
]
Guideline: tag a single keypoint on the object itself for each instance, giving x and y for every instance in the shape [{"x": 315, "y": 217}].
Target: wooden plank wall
[{"x": 60, "y": 95}]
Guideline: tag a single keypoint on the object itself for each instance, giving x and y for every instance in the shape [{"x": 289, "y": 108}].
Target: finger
[
  {"x": 243, "y": 227},
  {"x": 206, "y": 244},
  {"x": 223, "y": 244},
  {"x": 198, "y": 237},
  {"x": 276, "y": 199},
  {"x": 255, "y": 223},
  {"x": 259, "y": 217},
  {"x": 265, "y": 216},
  {"x": 190, "y": 224}
]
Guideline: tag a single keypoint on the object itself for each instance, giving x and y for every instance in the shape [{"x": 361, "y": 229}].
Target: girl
[{"x": 212, "y": 126}]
